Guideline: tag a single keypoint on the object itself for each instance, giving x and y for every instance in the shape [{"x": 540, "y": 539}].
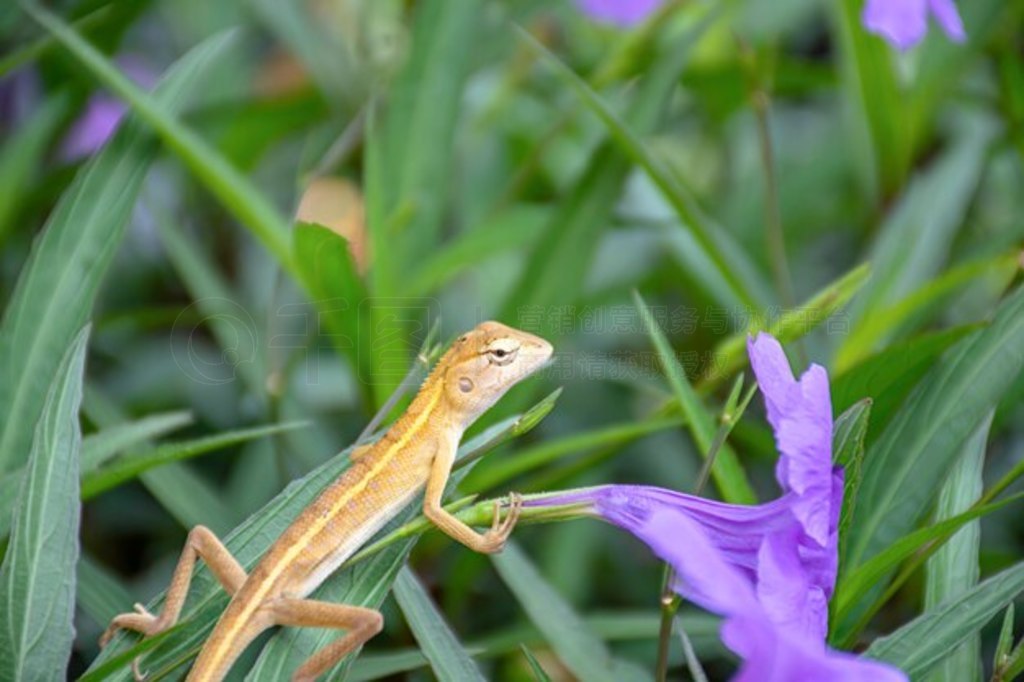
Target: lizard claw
[
  {"x": 502, "y": 528},
  {"x": 139, "y": 675}
]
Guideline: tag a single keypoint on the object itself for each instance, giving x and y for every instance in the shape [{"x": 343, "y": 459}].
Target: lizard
[{"x": 416, "y": 453}]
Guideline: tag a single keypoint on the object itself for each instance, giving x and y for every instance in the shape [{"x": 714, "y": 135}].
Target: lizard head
[{"x": 485, "y": 362}]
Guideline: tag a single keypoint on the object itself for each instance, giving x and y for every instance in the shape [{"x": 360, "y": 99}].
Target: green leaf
[
  {"x": 49, "y": 305},
  {"x": 854, "y": 586},
  {"x": 1005, "y": 643},
  {"x": 556, "y": 267},
  {"x": 232, "y": 325},
  {"x": 448, "y": 659},
  {"x": 131, "y": 466},
  {"x": 732, "y": 271},
  {"x": 904, "y": 468},
  {"x": 915, "y": 240},
  {"x": 98, "y": 447},
  {"x": 887, "y": 377},
  {"x": 494, "y": 473},
  {"x": 924, "y": 641},
  {"x": 586, "y": 656},
  {"x": 21, "y": 154},
  {"x": 538, "y": 672},
  {"x": 871, "y": 84},
  {"x": 848, "y": 452},
  {"x": 249, "y": 205},
  {"x": 731, "y": 353},
  {"x": 516, "y": 228},
  {"x": 37, "y": 577},
  {"x": 325, "y": 262},
  {"x": 727, "y": 471},
  {"x": 954, "y": 570},
  {"x": 885, "y": 320}
]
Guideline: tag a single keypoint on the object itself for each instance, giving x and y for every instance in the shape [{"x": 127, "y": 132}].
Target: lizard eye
[{"x": 501, "y": 356}]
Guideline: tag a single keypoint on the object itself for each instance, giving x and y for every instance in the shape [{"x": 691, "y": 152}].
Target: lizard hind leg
[
  {"x": 201, "y": 544},
  {"x": 360, "y": 623}
]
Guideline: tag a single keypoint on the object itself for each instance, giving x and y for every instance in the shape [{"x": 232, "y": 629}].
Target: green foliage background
[{"x": 744, "y": 165}]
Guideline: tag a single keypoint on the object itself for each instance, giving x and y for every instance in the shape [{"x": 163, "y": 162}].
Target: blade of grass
[
  {"x": 848, "y": 434},
  {"x": 99, "y": 447},
  {"x": 921, "y": 643},
  {"x": 726, "y": 471},
  {"x": 885, "y": 320},
  {"x": 21, "y": 154},
  {"x": 731, "y": 353},
  {"x": 448, "y": 659},
  {"x": 535, "y": 668},
  {"x": 500, "y": 471},
  {"x": 954, "y": 569},
  {"x": 925, "y": 436},
  {"x": 49, "y": 306},
  {"x": 556, "y": 267},
  {"x": 728, "y": 261},
  {"x": 131, "y": 466},
  {"x": 854, "y": 586},
  {"x": 37, "y": 576},
  {"x": 915, "y": 238},
  {"x": 586, "y": 656}
]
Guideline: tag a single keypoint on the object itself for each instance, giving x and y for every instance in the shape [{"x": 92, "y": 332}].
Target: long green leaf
[
  {"x": 726, "y": 469},
  {"x": 886, "y": 319},
  {"x": 954, "y": 570},
  {"x": 854, "y": 586},
  {"x": 248, "y": 205},
  {"x": 586, "y": 656},
  {"x": 448, "y": 659},
  {"x": 870, "y": 80},
  {"x": 731, "y": 353},
  {"x": 904, "y": 468},
  {"x": 731, "y": 267},
  {"x": 98, "y": 447},
  {"x": 915, "y": 239},
  {"x": 37, "y": 577},
  {"x": 888, "y": 376},
  {"x": 131, "y": 466},
  {"x": 499, "y": 471},
  {"x": 21, "y": 154},
  {"x": 921, "y": 643},
  {"x": 58, "y": 283},
  {"x": 556, "y": 267},
  {"x": 848, "y": 434}
]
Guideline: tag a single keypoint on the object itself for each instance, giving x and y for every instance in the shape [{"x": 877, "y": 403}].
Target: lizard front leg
[
  {"x": 201, "y": 543},
  {"x": 487, "y": 543}
]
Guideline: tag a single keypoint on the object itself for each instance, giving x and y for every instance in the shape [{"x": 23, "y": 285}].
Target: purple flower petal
[
  {"x": 949, "y": 19},
  {"x": 800, "y": 413},
  {"x": 619, "y": 12},
  {"x": 904, "y": 23}
]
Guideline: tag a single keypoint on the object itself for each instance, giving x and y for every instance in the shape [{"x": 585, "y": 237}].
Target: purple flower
[
  {"x": 620, "y": 12},
  {"x": 102, "y": 115},
  {"x": 904, "y": 22},
  {"x": 768, "y": 569}
]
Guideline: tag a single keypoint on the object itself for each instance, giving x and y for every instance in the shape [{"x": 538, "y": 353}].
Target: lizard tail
[{"x": 225, "y": 644}]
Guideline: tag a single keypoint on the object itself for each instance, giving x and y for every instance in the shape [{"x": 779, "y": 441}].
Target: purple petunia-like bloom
[
  {"x": 904, "y": 23},
  {"x": 619, "y": 12},
  {"x": 768, "y": 569}
]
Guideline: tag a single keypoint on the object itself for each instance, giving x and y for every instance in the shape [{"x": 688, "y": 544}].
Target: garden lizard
[{"x": 416, "y": 453}]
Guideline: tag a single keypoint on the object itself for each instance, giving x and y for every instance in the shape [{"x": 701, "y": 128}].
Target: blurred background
[{"x": 735, "y": 162}]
